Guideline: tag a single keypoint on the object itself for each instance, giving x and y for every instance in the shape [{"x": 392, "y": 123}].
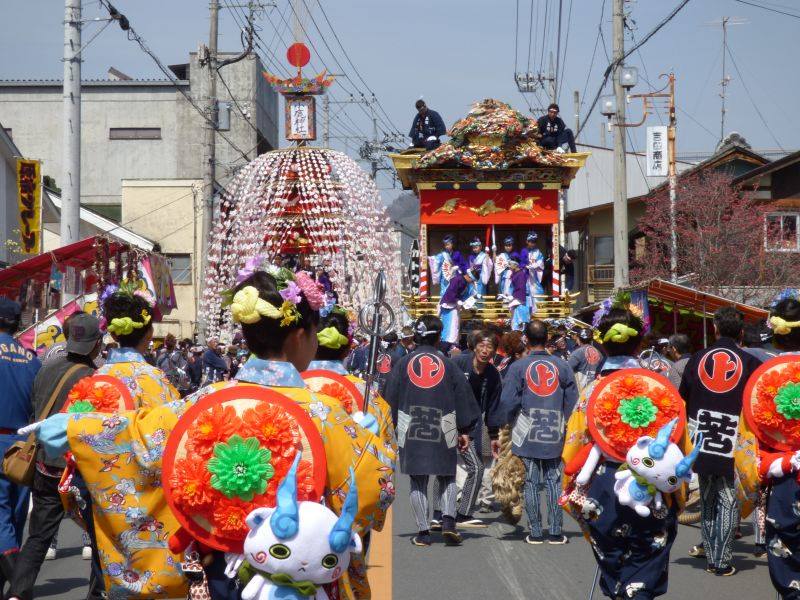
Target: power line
[
  {"x": 613, "y": 64},
  {"x": 135, "y": 37},
  {"x": 762, "y": 7},
  {"x": 594, "y": 52},
  {"x": 560, "y": 80},
  {"x": 755, "y": 106},
  {"x": 516, "y": 36}
]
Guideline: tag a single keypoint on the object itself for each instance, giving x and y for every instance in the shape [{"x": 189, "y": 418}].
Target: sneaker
[
  {"x": 711, "y": 569},
  {"x": 451, "y": 537},
  {"x": 726, "y": 571},
  {"x": 423, "y": 538},
  {"x": 86, "y": 553},
  {"x": 51, "y": 554},
  {"x": 534, "y": 539},
  {"x": 557, "y": 539},
  {"x": 697, "y": 551},
  {"x": 435, "y": 525},
  {"x": 469, "y": 522},
  {"x": 759, "y": 550}
]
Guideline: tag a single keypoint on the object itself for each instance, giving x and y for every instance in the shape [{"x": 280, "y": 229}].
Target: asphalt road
[
  {"x": 493, "y": 563},
  {"x": 496, "y": 563}
]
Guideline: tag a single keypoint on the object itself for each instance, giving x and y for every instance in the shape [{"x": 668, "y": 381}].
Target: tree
[{"x": 721, "y": 240}]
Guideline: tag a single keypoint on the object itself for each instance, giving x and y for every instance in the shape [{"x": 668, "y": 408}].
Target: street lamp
[{"x": 628, "y": 77}]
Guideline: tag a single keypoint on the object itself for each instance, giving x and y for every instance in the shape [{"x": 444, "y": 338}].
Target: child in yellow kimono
[{"x": 122, "y": 454}]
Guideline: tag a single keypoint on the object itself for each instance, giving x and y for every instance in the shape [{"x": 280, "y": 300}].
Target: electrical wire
[
  {"x": 614, "y": 63},
  {"x": 560, "y": 79},
  {"x": 594, "y": 52},
  {"x": 750, "y": 97},
  {"x": 762, "y": 7},
  {"x": 516, "y": 36}
]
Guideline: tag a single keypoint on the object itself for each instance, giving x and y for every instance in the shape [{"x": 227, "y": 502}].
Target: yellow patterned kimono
[
  {"x": 120, "y": 459},
  {"x": 147, "y": 384}
]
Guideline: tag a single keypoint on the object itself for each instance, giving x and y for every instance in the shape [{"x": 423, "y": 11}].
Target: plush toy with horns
[{"x": 292, "y": 550}]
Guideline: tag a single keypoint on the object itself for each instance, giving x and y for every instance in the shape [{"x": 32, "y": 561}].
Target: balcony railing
[{"x": 601, "y": 274}]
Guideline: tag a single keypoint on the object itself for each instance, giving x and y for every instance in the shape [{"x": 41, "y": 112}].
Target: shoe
[
  {"x": 759, "y": 550},
  {"x": 86, "y": 553},
  {"x": 725, "y": 572},
  {"x": 557, "y": 539},
  {"x": 423, "y": 538},
  {"x": 697, "y": 551},
  {"x": 51, "y": 554},
  {"x": 435, "y": 525},
  {"x": 534, "y": 539},
  {"x": 711, "y": 569},
  {"x": 452, "y": 537},
  {"x": 469, "y": 523}
]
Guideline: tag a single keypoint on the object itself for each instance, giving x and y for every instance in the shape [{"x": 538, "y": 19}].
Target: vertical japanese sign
[
  {"x": 657, "y": 152},
  {"x": 413, "y": 269},
  {"x": 300, "y": 118},
  {"x": 29, "y": 189}
]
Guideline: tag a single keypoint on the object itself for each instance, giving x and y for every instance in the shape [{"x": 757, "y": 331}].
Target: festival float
[
  {"x": 491, "y": 180},
  {"x": 303, "y": 207}
]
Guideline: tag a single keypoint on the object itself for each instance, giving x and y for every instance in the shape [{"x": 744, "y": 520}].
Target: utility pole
[
  {"x": 374, "y": 139},
  {"x": 725, "y": 78},
  {"x": 673, "y": 183},
  {"x": 620, "y": 168},
  {"x": 209, "y": 150},
  {"x": 326, "y": 124},
  {"x": 71, "y": 177},
  {"x": 552, "y": 79},
  {"x": 576, "y": 99}
]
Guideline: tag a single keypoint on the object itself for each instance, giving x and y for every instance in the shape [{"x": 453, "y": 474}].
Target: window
[
  {"x": 604, "y": 250},
  {"x": 782, "y": 232},
  {"x": 180, "y": 267},
  {"x": 134, "y": 133}
]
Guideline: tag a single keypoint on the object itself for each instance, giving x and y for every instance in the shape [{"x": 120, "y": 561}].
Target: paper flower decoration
[
  {"x": 240, "y": 468},
  {"x": 191, "y": 485},
  {"x": 81, "y": 406},
  {"x": 87, "y": 395},
  {"x": 787, "y": 400},
  {"x": 214, "y": 425},
  {"x": 637, "y": 412}
]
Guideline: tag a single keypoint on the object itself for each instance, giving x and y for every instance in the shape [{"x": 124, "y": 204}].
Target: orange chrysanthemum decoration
[
  {"x": 214, "y": 425},
  {"x": 229, "y": 517},
  {"x": 620, "y": 435},
  {"x": 191, "y": 486},
  {"x": 765, "y": 412},
  {"x": 103, "y": 397},
  {"x": 340, "y": 393},
  {"x": 274, "y": 430}
]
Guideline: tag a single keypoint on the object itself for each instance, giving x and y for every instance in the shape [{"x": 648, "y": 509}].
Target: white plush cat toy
[
  {"x": 653, "y": 467},
  {"x": 297, "y": 547}
]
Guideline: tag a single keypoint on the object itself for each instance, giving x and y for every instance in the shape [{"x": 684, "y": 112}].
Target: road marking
[{"x": 380, "y": 561}]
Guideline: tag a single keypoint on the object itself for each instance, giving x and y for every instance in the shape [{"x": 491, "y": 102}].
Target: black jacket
[
  {"x": 550, "y": 129},
  {"x": 712, "y": 385},
  {"x": 491, "y": 388},
  {"x": 424, "y": 127}
]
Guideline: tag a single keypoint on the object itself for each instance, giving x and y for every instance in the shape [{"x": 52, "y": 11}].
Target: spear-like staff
[{"x": 371, "y": 320}]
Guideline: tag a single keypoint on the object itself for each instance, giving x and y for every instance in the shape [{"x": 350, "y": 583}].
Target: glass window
[
  {"x": 134, "y": 133},
  {"x": 180, "y": 267},
  {"x": 604, "y": 250},
  {"x": 782, "y": 232}
]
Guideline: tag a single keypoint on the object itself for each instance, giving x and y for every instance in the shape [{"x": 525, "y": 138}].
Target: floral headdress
[
  {"x": 131, "y": 289},
  {"x": 248, "y": 307}
]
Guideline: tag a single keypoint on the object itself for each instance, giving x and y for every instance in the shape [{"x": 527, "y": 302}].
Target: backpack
[{"x": 175, "y": 366}]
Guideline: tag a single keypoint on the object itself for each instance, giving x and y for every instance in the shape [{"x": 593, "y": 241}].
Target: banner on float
[
  {"x": 657, "y": 151},
  {"x": 29, "y": 197},
  {"x": 154, "y": 270},
  {"x": 43, "y": 335},
  {"x": 413, "y": 269}
]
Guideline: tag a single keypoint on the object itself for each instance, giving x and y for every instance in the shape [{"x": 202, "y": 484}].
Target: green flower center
[
  {"x": 638, "y": 412},
  {"x": 787, "y": 400},
  {"x": 81, "y": 406},
  {"x": 240, "y": 468}
]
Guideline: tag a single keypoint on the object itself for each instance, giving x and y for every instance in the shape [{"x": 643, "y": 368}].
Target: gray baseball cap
[{"x": 84, "y": 331}]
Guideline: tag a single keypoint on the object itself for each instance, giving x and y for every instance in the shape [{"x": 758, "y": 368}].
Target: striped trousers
[
  {"x": 445, "y": 490},
  {"x": 543, "y": 472},
  {"x": 719, "y": 510},
  {"x": 473, "y": 466}
]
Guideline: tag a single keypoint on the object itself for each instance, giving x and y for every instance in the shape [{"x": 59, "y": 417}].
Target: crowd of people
[{"x": 581, "y": 415}]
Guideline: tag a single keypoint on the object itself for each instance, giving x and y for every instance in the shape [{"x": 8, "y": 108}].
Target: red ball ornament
[{"x": 298, "y": 55}]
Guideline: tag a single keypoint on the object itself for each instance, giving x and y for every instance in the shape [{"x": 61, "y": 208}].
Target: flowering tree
[{"x": 721, "y": 240}]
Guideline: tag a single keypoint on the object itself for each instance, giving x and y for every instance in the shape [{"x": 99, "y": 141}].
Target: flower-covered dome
[
  {"x": 772, "y": 403},
  {"x": 311, "y": 204},
  {"x": 493, "y": 136}
]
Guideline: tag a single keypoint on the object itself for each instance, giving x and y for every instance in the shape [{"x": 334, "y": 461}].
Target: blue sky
[{"x": 454, "y": 52}]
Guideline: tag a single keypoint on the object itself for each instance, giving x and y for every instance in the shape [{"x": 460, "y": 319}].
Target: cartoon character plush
[
  {"x": 295, "y": 548},
  {"x": 653, "y": 467}
]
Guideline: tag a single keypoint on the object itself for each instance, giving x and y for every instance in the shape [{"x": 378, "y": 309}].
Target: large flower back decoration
[
  {"x": 99, "y": 394},
  {"x": 629, "y": 404},
  {"x": 227, "y": 455},
  {"x": 772, "y": 403}
]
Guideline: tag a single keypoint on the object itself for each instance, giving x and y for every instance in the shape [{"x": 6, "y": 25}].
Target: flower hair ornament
[
  {"x": 331, "y": 338},
  {"x": 619, "y": 333},
  {"x": 131, "y": 289},
  {"x": 781, "y": 326}
]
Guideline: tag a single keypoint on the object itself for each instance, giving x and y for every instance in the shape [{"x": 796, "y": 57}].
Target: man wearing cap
[
  {"x": 532, "y": 260},
  {"x": 585, "y": 359},
  {"x": 502, "y": 274},
  {"x": 480, "y": 265},
  {"x": 18, "y": 368},
  {"x": 83, "y": 346}
]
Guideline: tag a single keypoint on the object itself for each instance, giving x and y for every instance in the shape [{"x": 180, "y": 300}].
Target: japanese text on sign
[
  {"x": 29, "y": 189},
  {"x": 657, "y": 151}
]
